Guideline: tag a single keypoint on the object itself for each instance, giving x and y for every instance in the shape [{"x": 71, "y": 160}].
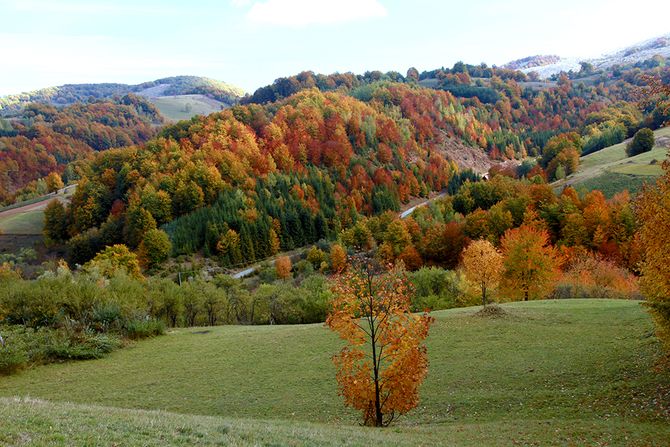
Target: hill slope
[
  {"x": 611, "y": 171},
  {"x": 178, "y": 97},
  {"x": 571, "y": 372}
]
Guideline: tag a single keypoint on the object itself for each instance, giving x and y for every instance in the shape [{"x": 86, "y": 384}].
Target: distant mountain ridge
[
  {"x": 203, "y": 94},
  {"x": 546, "y": 66}
]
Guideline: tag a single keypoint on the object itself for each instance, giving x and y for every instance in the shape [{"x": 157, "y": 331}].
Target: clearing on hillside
[
  {"x": 568, "y": 372},
  {"x": 611, "y": 171},
  {"x": 183, "y": 107}
]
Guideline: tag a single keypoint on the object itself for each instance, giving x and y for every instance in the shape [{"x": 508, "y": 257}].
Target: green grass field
[
  {"x": 611, "y": 171},
  {"x": 572, "y": 372},
  {"x": 31, "y": 222},
  {"x": 184, "y": 107}
]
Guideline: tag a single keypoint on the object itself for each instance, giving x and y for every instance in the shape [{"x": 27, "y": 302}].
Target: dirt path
[{"x": 409, "y": 209}]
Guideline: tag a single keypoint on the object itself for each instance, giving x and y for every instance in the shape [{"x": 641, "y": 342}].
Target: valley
[{"x": 573, "y": 362}]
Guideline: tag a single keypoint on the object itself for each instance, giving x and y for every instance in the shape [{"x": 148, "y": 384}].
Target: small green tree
[
  {"x": 138, "y": 222},
  {"x": 155, "y": 248},
  {"x": 643, "y": 141},
  {"x": 113, "y": 259},
  {"x": 316, "y": 256},
  {"x": 55, "y": 222}
]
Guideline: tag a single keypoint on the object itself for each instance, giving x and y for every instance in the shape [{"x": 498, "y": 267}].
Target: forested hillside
[
  {"x": 257, "y": 179},
  {"x": 522, "y": 113},
  {"x": 298, "y": 171},
  {"x": 42, "y": 139}
]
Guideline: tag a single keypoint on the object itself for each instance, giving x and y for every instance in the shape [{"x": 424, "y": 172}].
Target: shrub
[
  {"x": 82, "y": 346},
  {"x": 590, "y": 276},
  {"x": 303, "y": 267},
  {"x": 643, "y": 141},
  {"x": 436, "y": 288},
  {"x": 12, "y": 359},
  {"x": 137, "y": 329}
]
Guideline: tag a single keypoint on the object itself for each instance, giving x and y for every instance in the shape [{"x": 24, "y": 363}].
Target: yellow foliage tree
[
  {"x": 114, "y": 259},
  {"x": 482, "y": 265},
  {"x": 530, "y": 262},
  {"x": 53, "y": 181},
  {"x": 338, "y": 258}
]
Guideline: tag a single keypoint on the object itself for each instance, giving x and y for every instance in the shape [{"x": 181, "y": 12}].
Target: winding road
[{"x": 403, "y": 215}]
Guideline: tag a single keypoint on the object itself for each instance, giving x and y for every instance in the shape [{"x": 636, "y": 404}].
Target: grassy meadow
[
  {"x": 30, "y": 222},
  {"x": 183, "y": 107},
  {"x": 611, "y": 171},
  {"x": 570, "y": 372}
]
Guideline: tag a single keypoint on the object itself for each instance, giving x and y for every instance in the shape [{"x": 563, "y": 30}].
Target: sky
[{"x": 250, "y": 43}]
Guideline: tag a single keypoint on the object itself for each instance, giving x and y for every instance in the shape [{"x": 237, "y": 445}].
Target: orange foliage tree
[
  {"x": 283, "y": 267},
  {"x": 530, "y": 262},
  {"x": 384, "y": 362},
  {"x": 653, "y": 214},
  {"x": 482, "y": 264}
]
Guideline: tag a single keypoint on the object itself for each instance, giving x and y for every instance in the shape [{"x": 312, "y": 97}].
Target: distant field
[
  {"x": 30, "y": 222},
  {"x": 569, "y": 372},
  {"x": 27, "y": 217},
  {"x": 184, "y": 107},
  {"x": 611, "y": 171}
]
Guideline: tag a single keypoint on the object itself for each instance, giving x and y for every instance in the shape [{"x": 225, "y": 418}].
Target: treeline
[
  {"x": 436, "y": 235},
  {"x": 45, "y": 139}
]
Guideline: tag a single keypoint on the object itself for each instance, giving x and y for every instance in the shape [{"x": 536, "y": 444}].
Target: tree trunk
[
  {"x": 379, "y": 417},
  {"x": 525, "y": 295},
  {"x": 483, "y": 295}
]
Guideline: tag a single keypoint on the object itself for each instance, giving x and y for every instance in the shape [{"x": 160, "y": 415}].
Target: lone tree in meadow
[
  {"x": 529, "y": 261},
  {"x": 482, "y": 265},
  {"x": 384, "y": 362},
  {"x": 643, "y": 141}
]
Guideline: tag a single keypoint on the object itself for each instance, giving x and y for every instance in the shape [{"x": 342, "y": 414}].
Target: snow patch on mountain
[{"x": 629, "y": 55}]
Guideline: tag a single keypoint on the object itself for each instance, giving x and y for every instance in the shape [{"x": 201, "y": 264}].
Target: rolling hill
[
  {"x": 611, "y": 171},
  {"x": 178, "y": 97},
  {"x": 572, "y": 372}
]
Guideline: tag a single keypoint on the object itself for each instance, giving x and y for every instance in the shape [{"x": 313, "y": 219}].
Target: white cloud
[{"x": 296, "y": 13}]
